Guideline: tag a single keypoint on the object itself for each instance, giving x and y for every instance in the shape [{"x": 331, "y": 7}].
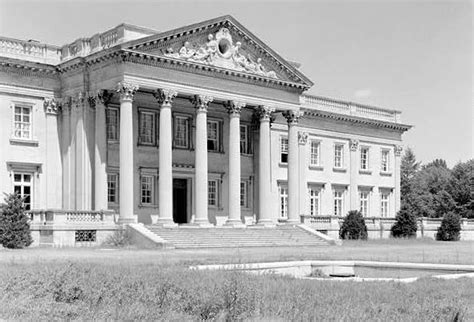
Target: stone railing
[
  {"x": 29, "y": 50},
  {"x": 45, "y": 217},
  {"x": 349, "y": 108}
]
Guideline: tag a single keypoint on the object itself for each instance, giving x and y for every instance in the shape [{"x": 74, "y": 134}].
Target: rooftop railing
[{"x": 29, "y": 50}]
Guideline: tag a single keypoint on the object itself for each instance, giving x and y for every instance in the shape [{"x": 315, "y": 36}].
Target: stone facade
[{"x": 203, "y": 124}]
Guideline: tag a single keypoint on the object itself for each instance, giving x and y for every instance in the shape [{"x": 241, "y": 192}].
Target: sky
[{"x": 413, "y": 56}]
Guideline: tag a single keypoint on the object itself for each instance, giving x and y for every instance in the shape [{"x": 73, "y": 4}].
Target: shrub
[
  {"x": 405, "y": 224},
  {"x": 450, "y": 227},
  {"x": 353, "y": 226},
  {"x": 14, "y": 225},
  {"x": 119, "y": 238}
]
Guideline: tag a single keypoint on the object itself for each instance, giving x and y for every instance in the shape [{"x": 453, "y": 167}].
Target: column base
[
  {"x": 166, "y": 223},
  {"x": 236, "y": 223},
  {"x": 202, "y": 223}
]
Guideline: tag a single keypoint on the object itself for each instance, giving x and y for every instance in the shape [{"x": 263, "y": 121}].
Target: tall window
[
  {"x": 283, "y": 201},
  {"x": 147, "y": 189},
  {"x": 245, "y": 147},
  {"x": 314, "y": 201},
  {"x": 147, "y": 128},
  {"x": 212, "y": 193},
  {"x": 213, "y": 139},
  {"x": 244, "y": 197},
  {"x": 22, "y": 122},
  {"x": 338, "y": 155},
  {"x": 384, "y": 203},
  {"x": 112, "y": 118},
  {"x": 181, "y": 131},
  {"x": 283, "y": 150},
  {"x": 338, "y": 202},
  {"x": 364, "y": 203},
  {"x": 364, "y": 158},
  {"x": 385, "y": 161},
  {"x": 112, "y": 187},
  {"x": 22, "y": 185},
  {"x": 315, "y": 153}
]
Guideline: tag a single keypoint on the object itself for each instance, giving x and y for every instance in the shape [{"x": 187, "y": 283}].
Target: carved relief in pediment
[{"x": 219, "y": 50}]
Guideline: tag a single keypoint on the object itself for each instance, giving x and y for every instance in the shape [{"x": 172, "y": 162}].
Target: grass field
[{"x": 144, "y": 284}]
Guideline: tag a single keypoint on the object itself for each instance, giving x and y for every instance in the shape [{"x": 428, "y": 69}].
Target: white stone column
[
  {"x": 396, "y": 169},
  {"x": 293, "y": 165},
  {"x": 266, "y": 216},
  {"x": 201, "y": 102},
  {"x": 354, "y": 173},
  {"x": 53, "y": 155},
  {"x": 165, "y": 181},
  {"x": 66, "y": 143},
  {"x": 81, "y": 152},
  {"x": 100, "y": 150},
  {"x": 234, "y": 108},
  {"x": 126, "y": 91},
  {"x": 303, "y": 168}
]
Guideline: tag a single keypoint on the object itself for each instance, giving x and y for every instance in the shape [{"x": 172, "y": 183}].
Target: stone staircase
[{"x": 198, "y": 237}]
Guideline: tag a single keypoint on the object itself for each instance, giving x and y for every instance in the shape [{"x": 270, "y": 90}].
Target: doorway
[{"x": 180, "y": 201}]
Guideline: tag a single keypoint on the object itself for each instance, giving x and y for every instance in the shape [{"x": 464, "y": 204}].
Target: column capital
[
  {"x": 264, "y": 113},
  {"x": 126, "y": 90},
  {"x": 302, "y": 138},
  {"x": 234, "y": 107},
  {"x": 354, "y": 143},
  {"x": 293, "y": 116},
  {"x": 52, "y": 106},
  {"x": 201, "y": 102},
  {"x": 104, "y": 96},
  {"x": 398, "y": 150},
  {"x": 165, "y": 96}
]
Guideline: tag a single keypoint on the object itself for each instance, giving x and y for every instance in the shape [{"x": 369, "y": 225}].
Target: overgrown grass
[{"x": 172, "y": 292}]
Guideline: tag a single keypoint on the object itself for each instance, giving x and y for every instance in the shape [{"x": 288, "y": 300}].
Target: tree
[
  {"x": 408, "y": 169},
  {"x": 461, "y": 188},
  {"x": 405, "y": 224},
  {"x": 450, "y": 227},
  {"x": 14, "y": 226},
  {"x": 353, "y": 226}
]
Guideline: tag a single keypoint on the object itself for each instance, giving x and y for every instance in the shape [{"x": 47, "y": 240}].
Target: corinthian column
[
  {"x": 234, "y": 109},
  {"x": 201, "y": 103},
  {"x": 165, "y": 182},
  {"x": 264, "y": 168},
  {"x": 303, "y": 166},
  {"x": 126, "y": 91},
  {"x": 293, "y": 203},
  {"x": 100, "y": 152}
]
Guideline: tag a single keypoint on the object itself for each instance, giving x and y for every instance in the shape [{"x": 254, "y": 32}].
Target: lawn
[{"x": 143, "y": 284}]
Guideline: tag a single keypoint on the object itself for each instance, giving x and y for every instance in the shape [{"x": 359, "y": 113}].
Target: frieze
[{"x": 220, "y": 51}]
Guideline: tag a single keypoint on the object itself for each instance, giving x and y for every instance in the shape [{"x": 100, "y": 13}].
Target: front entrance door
[{"x": 180, "y": 201}]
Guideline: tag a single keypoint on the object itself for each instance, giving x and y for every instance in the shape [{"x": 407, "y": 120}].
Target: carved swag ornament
[{"x": 220, "y": 51}]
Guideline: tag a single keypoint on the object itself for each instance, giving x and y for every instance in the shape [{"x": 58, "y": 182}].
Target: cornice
[
  {"x": 356, "y": 120},
  {"x": 27, "y": 68}
]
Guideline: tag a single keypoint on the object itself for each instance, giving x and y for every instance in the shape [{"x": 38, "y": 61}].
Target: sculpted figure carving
[{"x": 219, "y": 50}]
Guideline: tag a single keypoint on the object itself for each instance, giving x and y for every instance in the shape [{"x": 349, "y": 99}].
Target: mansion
[{"x": 203, "y": 124}]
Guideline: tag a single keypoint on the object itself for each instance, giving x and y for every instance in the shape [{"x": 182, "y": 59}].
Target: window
[
  {"x": 147, "y": 128},
  {"x": 112, "y": 188},
  {"x": 212, "y": 193},
  {"x": 314, "y": 201},
  {"x": 244, "y": 196},
  {"x": 338, "y": 155},
  {"x": 283, "y": 150},
  {"x": 112, "y": 118},
  {"x": 213, "y": 136},
  {"x": 364, "y": 158},
  {"x": 315, "y": 149},
  {"x": 364, "y": 203},
  {"x": 86, "y": 235},
  {"x": 384, "y": 203},
  {"x": 22, "y": 185},
  {"x": 385, "y": 161},
  {"x": 22, "y": 122},
  {"x": 181, "y": 131},
  {"x": 338, "y": 202},
  {"x": 245, "y": 141},
  {"x": 283, "y": 201},
  {"x": 147, "y": 189}
]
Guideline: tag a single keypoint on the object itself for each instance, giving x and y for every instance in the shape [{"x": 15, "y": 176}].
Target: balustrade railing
[
  {"x": 15, "y": 48},
  {"x": 70, "y": 216}
]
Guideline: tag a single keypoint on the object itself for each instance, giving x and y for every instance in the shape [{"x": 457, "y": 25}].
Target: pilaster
[
  {"x": 354, "y": 173},
  {"x": 303, "y": 175},
  {"x": 398, "y": 153}
]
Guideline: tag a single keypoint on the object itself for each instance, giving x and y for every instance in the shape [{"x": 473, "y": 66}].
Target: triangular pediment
[{"x": 222, "y": 43}]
